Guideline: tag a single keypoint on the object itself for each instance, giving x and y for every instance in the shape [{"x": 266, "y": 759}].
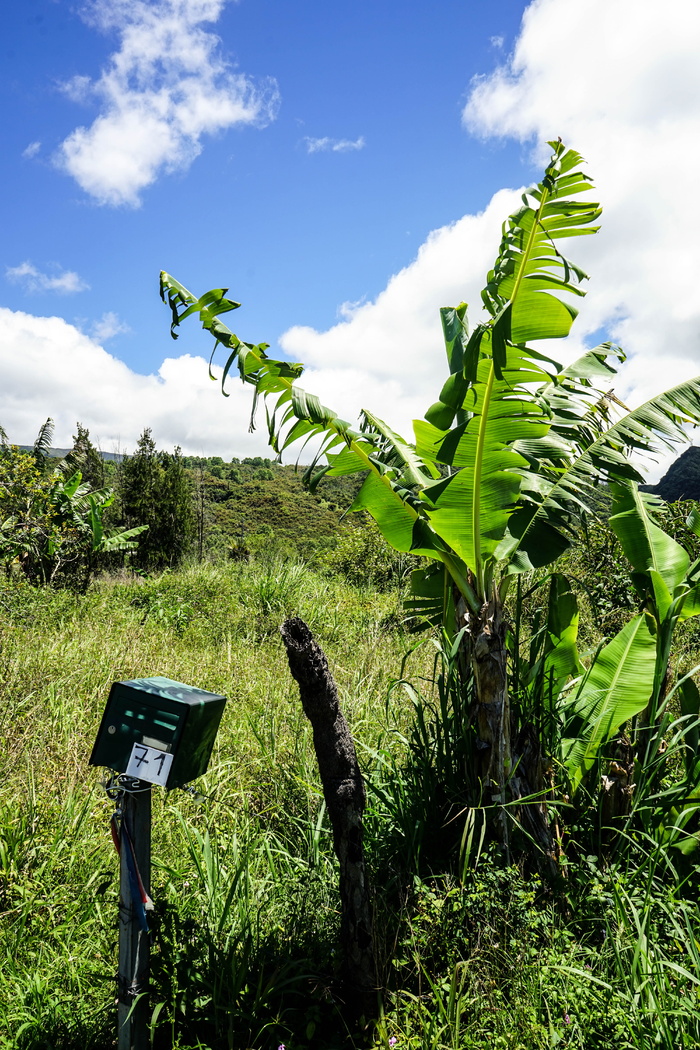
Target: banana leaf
[{"x": 617, "y": 688}]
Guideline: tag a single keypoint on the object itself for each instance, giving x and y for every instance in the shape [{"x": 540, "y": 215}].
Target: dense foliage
[
  {"x": 53, "y": 522},
  {"x": 501, "y": 475},
  {"x": 154, "y": 490},
  {"x": 175, "y": 508}
]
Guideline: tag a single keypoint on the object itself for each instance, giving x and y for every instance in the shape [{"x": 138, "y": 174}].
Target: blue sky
[{"x": 335, "y": 166}]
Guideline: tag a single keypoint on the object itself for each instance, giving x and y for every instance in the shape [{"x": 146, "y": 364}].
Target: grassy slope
[{"x": 260, "y": 503}]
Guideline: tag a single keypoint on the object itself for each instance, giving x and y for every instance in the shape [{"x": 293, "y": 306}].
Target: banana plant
[
  {"x": 58, "y": 520},
  {"x": 506, "y": 459},
  {"x": 629, "y": 683}
]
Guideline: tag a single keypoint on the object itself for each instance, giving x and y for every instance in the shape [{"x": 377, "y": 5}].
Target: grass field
[{"x": 471, "y": 953}]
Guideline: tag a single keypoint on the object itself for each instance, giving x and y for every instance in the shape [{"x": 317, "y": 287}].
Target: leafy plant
[
  {"x": 52, "y": 522},
  {"x": 497, "y": 478}
]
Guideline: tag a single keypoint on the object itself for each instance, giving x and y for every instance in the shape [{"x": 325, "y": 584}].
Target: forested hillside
[{"x": 185, "y": 508}]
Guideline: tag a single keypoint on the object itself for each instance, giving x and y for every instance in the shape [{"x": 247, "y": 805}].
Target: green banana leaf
[
  {"x": 560, "y": 652},
  {"x": 617, "y": 688},
  {"x": 523, "y": 292},
  {"x": 543, "y": 528},
  {"x": 646, "y": 546}
]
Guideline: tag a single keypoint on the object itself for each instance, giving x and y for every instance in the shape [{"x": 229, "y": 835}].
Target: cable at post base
[{"x": 140, "y": 899}]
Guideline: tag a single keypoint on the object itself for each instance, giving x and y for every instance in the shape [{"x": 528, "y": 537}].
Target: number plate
[{"x": 149, "y": 764}]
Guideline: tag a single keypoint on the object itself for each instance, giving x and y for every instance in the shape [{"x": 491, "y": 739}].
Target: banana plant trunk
[
  {"x": 509, "y": 763},
  {"x": 487, "y": 656}
]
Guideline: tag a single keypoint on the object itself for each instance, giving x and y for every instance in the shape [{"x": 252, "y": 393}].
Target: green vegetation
[
  {"x": 256, "y": 504},
  {"x": 52, "y": 522},
  {"x": 472, "y": 950},
  {"x": 503, "y": 469},
  {"x": 179, "y": 507},
  {"x": 531, "y": 758}
]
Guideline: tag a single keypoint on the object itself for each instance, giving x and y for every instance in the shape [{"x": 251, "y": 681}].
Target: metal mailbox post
[{"x": 153, "y": 731}]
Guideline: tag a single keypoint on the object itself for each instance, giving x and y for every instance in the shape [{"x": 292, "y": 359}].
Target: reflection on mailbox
[{"x": 159, "y": 730}]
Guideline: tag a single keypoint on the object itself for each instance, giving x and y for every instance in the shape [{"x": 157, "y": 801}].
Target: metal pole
[{"x": 132, "y": 1020}]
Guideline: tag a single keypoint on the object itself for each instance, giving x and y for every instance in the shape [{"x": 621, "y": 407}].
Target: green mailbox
[{"x": 158, "y": 730}]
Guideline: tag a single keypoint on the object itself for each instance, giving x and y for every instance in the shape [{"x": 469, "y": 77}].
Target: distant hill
[
  {"x": 682, "y": 479},
  {"x": 61, "y": 453}
]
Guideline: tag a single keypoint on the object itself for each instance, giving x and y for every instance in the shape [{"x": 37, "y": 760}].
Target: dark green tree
[
  {"x": 85, "y": 458},
  {"x": 155, "y": 490},
  {"x": 177, "y": 505}
]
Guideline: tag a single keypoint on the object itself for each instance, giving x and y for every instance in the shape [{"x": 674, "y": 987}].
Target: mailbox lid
[
  {"x": 180, "y": 719},
  {"x": 168, "y": 689}
]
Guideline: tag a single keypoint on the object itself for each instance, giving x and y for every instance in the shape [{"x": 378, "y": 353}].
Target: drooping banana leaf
[
  {"x": 395, "y": 470},
  {"x": 540, "y": 530},
  {"x": 266, "y": 374},
  {"x": 617, "y": 688},
  {"x": 653, "y": 554}
]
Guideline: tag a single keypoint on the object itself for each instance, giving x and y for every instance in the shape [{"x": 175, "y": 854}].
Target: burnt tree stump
[{"x": 344, "y": 792}]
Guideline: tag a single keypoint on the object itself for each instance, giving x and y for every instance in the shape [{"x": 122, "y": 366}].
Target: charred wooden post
[{"x": 344, "y": 792}]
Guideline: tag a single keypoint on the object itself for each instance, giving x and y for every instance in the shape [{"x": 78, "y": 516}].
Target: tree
[
  {"x": 154, "y": 488},
  {"x": 500, "y": 471},
  {"x": 85, "y": 458}
]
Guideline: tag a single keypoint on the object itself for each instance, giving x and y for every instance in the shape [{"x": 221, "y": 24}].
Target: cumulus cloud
[
  {"x": 33, "y": 280},
  {"x": 166, "y": 86},
  {"x": 637, "y": 123},
  {"x": 50, "y": 368},
  {"x": 107, "y": 327},
  {"x": 328, "y": 145},
  {"x": 388, "y": 355},
  {"x": 620, "y": 85}
]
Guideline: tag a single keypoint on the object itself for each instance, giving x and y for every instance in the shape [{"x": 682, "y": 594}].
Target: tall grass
[
  {"x": 244, "y": 882},
  {"x": 471, "y": 952}
]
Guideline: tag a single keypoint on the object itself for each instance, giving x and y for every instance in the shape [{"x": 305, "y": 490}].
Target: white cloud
[
  {"x": 621, "y": 84},
  {"x": 328, "y": 145},
  {"x": 31, "y": 150},
  {"x": 107, "y": 327},
  {"x": 388, "y": 355},
  {"x": 65, "y": 281},
  {"x": 166, "y": 87},
  {"x": 50, "y": 368}
]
